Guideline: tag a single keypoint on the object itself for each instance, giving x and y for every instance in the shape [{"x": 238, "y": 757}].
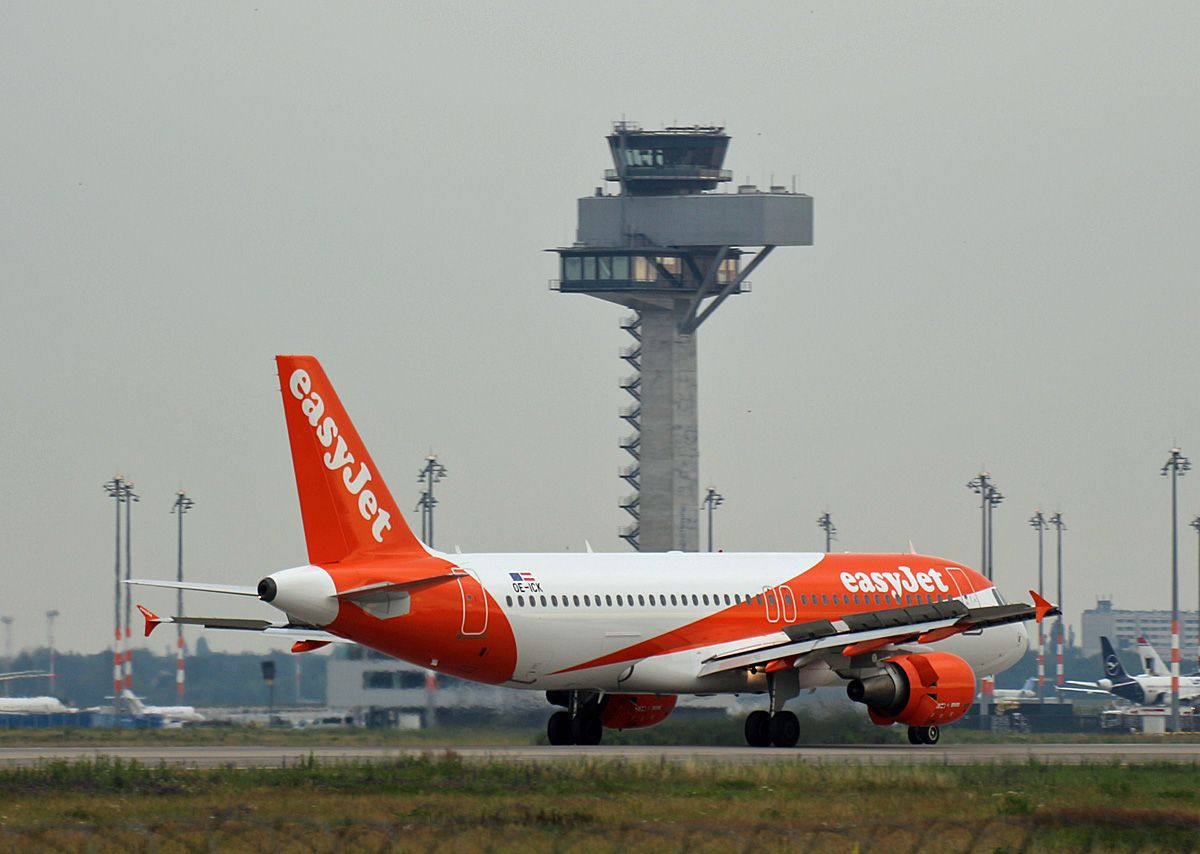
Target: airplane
[
  {"x": 32, "y": 706},
  {"x": 173, "y": 716},
  {"x": 1152, "y": 687},
  {"x": 1027, "y": 691},
  {"x": 613, "y": 639}
]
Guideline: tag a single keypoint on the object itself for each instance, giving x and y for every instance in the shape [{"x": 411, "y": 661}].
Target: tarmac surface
[{"x": 264, "y": 756}]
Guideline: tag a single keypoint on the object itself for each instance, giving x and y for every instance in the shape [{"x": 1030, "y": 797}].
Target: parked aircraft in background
[
  {"x": 614, "y": 638},
  {"x": 171, "y": 715},
  {"x": 32, "y": 706},
  {"x": 1028, "y": 691},
  {"x": 1151, "y": 687}
]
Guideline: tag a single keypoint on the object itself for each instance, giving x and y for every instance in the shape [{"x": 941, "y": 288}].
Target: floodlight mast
[
  {"x": 1195, "y": 523},
  {"x": 662, "y": 246},
  {"x": 825, "y": 523},
  {"x": 181, "y": 506},
  {"x": 1177, "y": 465},
  {"x": 430, "y": 473},
  {"x": 712, "y": 500},
  {"x": 1057, "y": 522},
  {"x": 1040, "y": 525}
]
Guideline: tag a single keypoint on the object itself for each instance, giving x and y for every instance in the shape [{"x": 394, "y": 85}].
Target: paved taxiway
[{"x": 249, "y": 756}]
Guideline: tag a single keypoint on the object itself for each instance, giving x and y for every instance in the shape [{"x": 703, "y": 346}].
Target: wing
[{"x": 856, "y": 634}]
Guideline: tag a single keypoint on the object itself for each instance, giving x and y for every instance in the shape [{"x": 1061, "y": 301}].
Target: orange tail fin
[{"x": 346, "y": 507}]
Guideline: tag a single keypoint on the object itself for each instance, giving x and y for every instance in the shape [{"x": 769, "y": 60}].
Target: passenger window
[
  {"x": 641, "y": 600},
  {"x": 727, "y": 602},
  {"x": 554, "y": 601},
  {"x": 586, "y": 602},
  {"x": 521, "y": 601},
  {"x": 608, "y": 600},
  {"x": 619, "y": 602},
  {"x": 787, "y": 597},
  {"x": 705, "y": 598},
  {"x": 576, "y": 598},
  {"x": 825, "y": 599},
  {"x": 543, "y": 601},
  {"x": 856, "y": 602},
  {"x": 508, "y": 599},
  {"x": 672, "y": 598},
  {"x": 662, "y": 600},
  {"x": 695, "y": 599}
]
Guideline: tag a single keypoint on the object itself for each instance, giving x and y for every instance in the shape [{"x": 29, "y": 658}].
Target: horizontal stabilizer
[
  {"x": 234, "y": 589},
  {"x": 295, "y": 631}
]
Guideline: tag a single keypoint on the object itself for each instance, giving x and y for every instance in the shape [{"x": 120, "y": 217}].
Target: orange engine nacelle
[
  {"x": 636, "y": 711},
  {"x": 922, "y": 689}
]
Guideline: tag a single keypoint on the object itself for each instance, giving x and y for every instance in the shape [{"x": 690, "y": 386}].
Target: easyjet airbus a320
[{"x": 614, "y": 638}]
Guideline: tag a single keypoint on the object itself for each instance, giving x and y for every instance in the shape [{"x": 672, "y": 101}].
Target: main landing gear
[
  {"x": 777, "y": 727},
  {"x": 763, "y": 729},
  {"x": 924, "y": 734},
  {"x": 580, "y": 723}
]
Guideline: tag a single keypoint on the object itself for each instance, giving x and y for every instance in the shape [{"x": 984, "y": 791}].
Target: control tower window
[
  {"x": 728, "y": 270},
  {"x": 643, "y": 270},
  {"x": 589, "y": 266},
  {"x": 620, "y": 267},
  {"x": 572, "y": 268},
  {"x": 643, "y": 157},
  {"x": 604, "y": 267}
]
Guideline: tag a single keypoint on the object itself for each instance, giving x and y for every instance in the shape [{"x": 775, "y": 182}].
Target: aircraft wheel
[
  {"x": 558, "y": 730},
  {"x": 914, "y": 735},
  {"x": 785, "y": 729},
  {"x": 758, "y": 729},
  {"x": 930, "y": 734},
  {"x": 587, "y": 729}
]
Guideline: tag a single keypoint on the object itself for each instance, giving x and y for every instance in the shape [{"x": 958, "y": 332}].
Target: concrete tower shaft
[{"x": 670, "y": 249}]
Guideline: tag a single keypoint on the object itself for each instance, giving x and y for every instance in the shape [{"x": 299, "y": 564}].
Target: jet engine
[
  {"x": 921, "y": 690},
  {"x": 635, "y": 711}
]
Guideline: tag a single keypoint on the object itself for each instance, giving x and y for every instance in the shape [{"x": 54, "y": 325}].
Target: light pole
[
  {"x": 7, "y": 647},
  {"x": 825, "y": 523},
  {"x": 430, "y": 473},
  {"x": 1057, "y": 521},
  {"x": 1195, "y": 523},
  {"x": 1040, "y": 524},
  {"x": 712, "y": 500},
  {"x": 50, "y": 615},
  {"x": 1176, "y": 466},
  {"x": 989, "y": 497},
  {"x": 115, "y": 489},
  {"x": 182, "y": 505},
  {"x": 130, "y": 498}
]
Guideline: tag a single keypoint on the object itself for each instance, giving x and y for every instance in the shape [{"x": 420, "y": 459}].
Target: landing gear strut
[{"x": 580, "y": 723}]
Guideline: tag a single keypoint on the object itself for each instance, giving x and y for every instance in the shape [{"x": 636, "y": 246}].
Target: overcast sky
[{"x": 1003, "y": 278}]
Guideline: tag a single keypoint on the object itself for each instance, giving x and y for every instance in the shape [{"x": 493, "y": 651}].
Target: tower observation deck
[{"x": 672, "y": 249}]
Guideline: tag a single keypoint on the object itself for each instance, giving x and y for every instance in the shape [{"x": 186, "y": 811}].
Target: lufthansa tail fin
[
  {"x": 347, "y": 509},
  {"x": 1113, "y": 669}
]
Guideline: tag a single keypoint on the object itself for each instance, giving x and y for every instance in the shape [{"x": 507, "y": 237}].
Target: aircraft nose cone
[{"x": 267, "y": 588}]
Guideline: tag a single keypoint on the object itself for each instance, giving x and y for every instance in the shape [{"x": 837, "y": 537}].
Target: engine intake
[{"x": 921, "y": 689}]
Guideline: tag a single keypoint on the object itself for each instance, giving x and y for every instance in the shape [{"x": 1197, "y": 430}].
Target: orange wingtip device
[
  {"x": 308, "y": 645},
  {"x": 1041, "y": 606},
  {"x": 152, "y": 619}
]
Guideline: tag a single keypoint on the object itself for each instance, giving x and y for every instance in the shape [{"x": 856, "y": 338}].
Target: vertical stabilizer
[
  {"x": 1152, "y": 664},
  {"x": 347, "y": 509},
  {"x": 1113, "y": 669}
]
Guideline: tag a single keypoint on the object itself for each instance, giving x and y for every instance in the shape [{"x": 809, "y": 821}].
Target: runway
[{"x": 243, "y": 756}]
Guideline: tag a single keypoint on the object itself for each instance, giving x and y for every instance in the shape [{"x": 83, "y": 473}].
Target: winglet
[
  {"x": 152, "y": 619},
  {"x": 1042, "y": 607},
  {"x": 308, "y": 645}
]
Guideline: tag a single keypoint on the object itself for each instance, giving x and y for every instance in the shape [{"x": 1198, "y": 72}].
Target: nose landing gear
[{"x": 580, "y": 723}]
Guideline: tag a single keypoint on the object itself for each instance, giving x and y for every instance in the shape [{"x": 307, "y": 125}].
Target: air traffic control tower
[{"x": 670, "y": 247}]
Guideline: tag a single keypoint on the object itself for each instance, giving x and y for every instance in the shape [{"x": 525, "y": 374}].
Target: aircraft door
[{"x": 475, "y": 607}]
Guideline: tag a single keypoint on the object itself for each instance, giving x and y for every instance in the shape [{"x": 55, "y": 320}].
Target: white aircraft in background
[
  {"x": 171, "y": 715},
  {"x": 1151, "y": 687},
  {"x": 1028, "y": 691},
  {"x": 614, "y": 638},
  {"x": 32, "y": 706}
]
